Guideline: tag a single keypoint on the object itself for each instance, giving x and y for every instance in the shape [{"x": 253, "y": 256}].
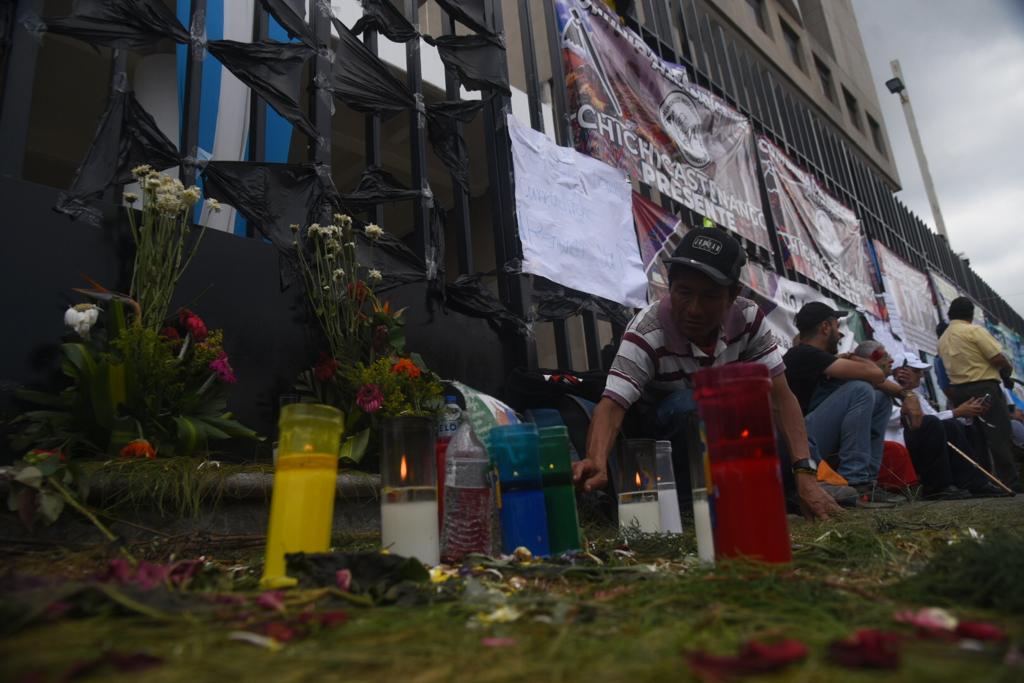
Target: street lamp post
[{"x": 897, "y": 87}]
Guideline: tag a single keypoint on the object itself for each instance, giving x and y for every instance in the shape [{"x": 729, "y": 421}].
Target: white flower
[
  {"x": 374, "y": 275},
  {"x": 141, "y": 171},
  {"x": 190, "y": 196},
  {"x": 343, "y": 220},
  {"x": 373, "y": 231},
  {"x": 339, "y": 273},
  {"x": 294, "y": 227},
  {"x": 213, "y": 204},
  {"x": 130, "y": 197},
  {"x": 81, "y": 318}
]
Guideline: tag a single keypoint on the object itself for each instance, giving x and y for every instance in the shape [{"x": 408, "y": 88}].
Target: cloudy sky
[{"x": 963, "y": 63}]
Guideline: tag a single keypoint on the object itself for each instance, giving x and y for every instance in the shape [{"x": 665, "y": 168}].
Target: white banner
[
  {"x": 909, "y": 300},
  {"x": 575, "y": 217}
]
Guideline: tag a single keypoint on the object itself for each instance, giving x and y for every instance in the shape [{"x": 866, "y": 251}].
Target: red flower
[
  {"x": 868, "y": 648},
  {"x": 139, "y": 448},
  {"x": 369, "y": 398},
  {"x": 325, "y": 367},
  {"x": 170, "y": 333},
  {"x": 183, "y": 315},
  {"x": 196, "y": 327},
  {"x": 38, "y": 455},
  {"x": 979, "y": 630},
  {"x": 381, "y": 337},
  {"x": 358, "y": 290},
  {"x": 407, "y": 367},
  {"x": 754, "y": 657},
  {"x": 344, "y": 579}
]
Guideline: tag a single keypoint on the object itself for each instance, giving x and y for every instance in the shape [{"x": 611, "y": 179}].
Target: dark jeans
[
  {"x": 937, "y": 466},
  {"x": 993, "y": 435},
  {"x": 851, "y": 423}
]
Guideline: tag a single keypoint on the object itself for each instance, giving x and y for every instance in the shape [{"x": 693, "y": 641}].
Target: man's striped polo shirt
[{"x": 655, "y": 359}]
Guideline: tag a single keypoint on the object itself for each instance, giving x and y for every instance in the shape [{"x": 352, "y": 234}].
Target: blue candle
[{"x": 514, "y": 451}]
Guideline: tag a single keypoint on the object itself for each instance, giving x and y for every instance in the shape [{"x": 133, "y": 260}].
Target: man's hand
[
  {"x": 589, "y": 475},
  {"x": 814, "y": 502},
  {"x": 903, "y": 376},
  {"x": 911, "y": 410},
  {"x": 973, "y": 407}
]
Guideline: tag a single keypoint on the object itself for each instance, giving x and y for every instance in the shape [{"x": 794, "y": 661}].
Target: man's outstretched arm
[{"x": 591, "y": 473}]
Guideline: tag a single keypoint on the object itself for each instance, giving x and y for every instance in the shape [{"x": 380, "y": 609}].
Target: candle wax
[
  {"x": 644, "y": 515},
  {"x": 702, "y": 527},
  {"x": 409, "y": 529},
  {"x": 668, "y": 507}
]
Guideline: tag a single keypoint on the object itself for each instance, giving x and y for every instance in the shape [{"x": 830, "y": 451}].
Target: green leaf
[
  {"x": 79, "y": 359},
  {"x": 42, "y": 398},
  {"x": 51, "y": 504},
  {"x": 354, "y": 447},
  {"x": 116, "y": 322},
  {"x": 29, "y": 476},
  {"x": 230, "y": 427},
  {"x": 188, "y": 435}
]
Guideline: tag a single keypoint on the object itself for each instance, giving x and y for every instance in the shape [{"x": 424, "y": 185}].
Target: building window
[
  {"x": 828, "y": 86},
  {"x": 876, "y": 135},
  {"x": 792, "y": 44},
  {"x": 757, "y": 8},
  {"x": 853, "y": 109}
]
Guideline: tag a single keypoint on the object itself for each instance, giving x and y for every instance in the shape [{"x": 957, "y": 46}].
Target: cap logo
[{"x": 712, "y": 246}]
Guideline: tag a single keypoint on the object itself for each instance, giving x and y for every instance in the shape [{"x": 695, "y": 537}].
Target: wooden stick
[{"x": 983, "y": 470}]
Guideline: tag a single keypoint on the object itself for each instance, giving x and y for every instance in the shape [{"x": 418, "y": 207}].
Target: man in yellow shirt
[{"x": 976, "y": 365}]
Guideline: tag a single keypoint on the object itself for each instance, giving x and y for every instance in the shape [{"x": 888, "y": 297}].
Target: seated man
[
  {"x": 944, "y": 474},
  {"x": 702, "y": 323},
  {"x": 846, "y": 401}
]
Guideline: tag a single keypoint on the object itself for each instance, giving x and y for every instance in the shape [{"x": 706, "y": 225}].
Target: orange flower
[
  {"x": 407, "y": 367},
  {"x": 139, "y": 448}
]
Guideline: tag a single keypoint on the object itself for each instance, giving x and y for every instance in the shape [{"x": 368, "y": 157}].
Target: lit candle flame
[
  {"x": 745, "y": 433},
  {"x": 403, "y": 469},
  {"x": 638, "y": 480}
]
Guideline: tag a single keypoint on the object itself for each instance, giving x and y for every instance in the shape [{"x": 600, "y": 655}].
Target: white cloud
[{"x": 963, "y": 63}]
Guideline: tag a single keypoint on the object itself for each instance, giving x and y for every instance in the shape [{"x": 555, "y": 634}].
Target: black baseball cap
[
  {"x": 813, "y": 314},
  {"x": 713, "y": 252}
]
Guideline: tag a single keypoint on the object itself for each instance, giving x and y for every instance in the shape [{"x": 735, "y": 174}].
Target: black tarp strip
[{"x": 123, "y": 24}]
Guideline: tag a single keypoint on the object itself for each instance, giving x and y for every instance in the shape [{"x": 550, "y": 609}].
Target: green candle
[{"x": 559, "y": 497}]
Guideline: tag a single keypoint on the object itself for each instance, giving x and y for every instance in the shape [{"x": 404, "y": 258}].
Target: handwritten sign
[{"x": 575, "y": 219}]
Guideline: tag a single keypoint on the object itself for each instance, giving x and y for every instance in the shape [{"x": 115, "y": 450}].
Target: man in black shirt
[{"x": 846, "y": 401}]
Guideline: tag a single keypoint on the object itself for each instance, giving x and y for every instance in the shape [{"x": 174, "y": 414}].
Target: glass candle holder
[
  {"x": 637, "y": 486},
  {"x": 668, "y": 497},
  {"x": 559, "y": 496},
  {"x": 305, "y": 480},
  {"x": 408, "y": 480},
  {"x": 750, "y": 510},
  {"x": 513, "y": 449}
]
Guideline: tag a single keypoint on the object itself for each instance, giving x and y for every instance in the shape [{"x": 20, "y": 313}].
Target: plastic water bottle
[
  {"x": 446, "y": 428},
  {"x": 467, "y": 498}
]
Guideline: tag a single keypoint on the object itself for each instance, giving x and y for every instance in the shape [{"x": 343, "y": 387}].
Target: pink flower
[
  {"x": 273, "y": 600},
  {"x": 222, "y": 367},
  {"x": 344, "y": 579},
  {"x": 369, "y": 398}
]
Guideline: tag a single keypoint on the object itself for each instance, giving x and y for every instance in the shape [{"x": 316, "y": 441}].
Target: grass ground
[{"x": 625, "y": 615}]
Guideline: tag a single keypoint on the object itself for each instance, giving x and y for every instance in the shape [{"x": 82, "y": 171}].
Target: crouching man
[{"x": 702, "y": 323}]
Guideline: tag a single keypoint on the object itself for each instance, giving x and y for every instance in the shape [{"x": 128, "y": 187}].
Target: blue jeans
[{"x": 850, "y": 424}]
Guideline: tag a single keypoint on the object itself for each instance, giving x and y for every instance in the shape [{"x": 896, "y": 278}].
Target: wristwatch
[{"x": 805, "y": 466}]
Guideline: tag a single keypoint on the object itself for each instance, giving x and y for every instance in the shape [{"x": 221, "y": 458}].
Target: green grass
[{"x": 630, "y": 618}]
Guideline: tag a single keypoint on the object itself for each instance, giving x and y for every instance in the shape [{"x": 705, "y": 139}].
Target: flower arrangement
[
  {"x": 365, "y": 370},
  {"x": 141, "y": 385}
]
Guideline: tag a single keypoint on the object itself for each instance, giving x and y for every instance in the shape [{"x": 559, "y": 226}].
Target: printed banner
[
  {"x": 945, "y": 292},
  {"x": 907, "y": 290},
  {"x": 575, "y": 219},
  {"x": 635, "y": 111},
  {"x": 658, "y": 233},
  {"x": 820, "y": 238}
]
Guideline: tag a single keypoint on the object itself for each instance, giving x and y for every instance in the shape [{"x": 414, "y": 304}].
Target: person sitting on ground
[
  {"x": 846, "y": 401},
  {"x": 703, "y": 322},
  {"x": 1016, "y": 419},
  {"x": 926, "y": 433},
  {"x": 976, "y": 367}
]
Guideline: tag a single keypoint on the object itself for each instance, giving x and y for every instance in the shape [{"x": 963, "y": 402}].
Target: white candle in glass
[
  {"x": 702, "y": 527},
  {"x": 640, "y": 510},
  {"x": 408, "y": 519},
  {"x": 668, "y": 505}
]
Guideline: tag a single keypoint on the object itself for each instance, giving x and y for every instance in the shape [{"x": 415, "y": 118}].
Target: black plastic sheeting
[
  {"x": 271, "y": 196},
  {"x": 479, "y": 60},
  {"x": 376, "y": 186},
  {"x": 289, "y": 14},
  {"x": 362, "y": 81},
  {"x": 384, "y": 17},
  {"x": 127, "y": 136},
  {"x": 449, "y": 145},
  {"x": 555, "y": 302},
  {"x": 470, "y": 13},
  {"x": 273, "y": 70},
  {"x": 127, "y": 24}
]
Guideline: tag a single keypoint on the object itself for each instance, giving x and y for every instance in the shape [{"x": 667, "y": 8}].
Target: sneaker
[
  {"x": 845, "y": 496},
  {"x": 873, "y": 496},
  {"x": 948, "y": 493}
]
